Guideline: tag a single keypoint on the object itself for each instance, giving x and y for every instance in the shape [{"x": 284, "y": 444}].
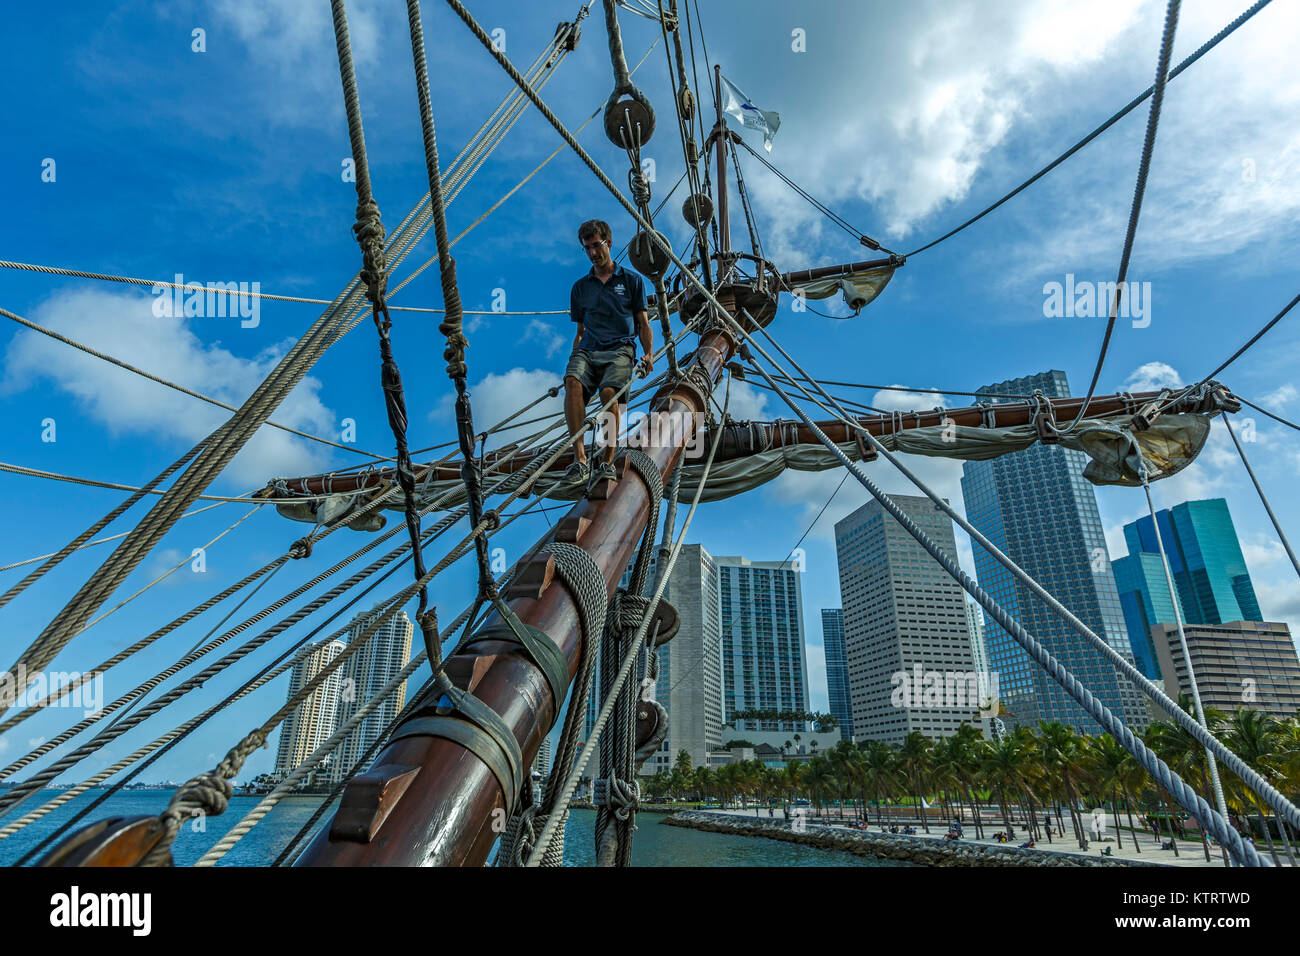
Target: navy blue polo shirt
[{"x": 606, "y": 309}]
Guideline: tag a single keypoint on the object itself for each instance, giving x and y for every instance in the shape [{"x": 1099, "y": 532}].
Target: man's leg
[
  {"x": 575, "y": 409},
  {"x": 605, "y": 395}
]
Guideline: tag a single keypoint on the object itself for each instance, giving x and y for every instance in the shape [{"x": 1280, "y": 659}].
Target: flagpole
[{"x": 720, "y": 132}]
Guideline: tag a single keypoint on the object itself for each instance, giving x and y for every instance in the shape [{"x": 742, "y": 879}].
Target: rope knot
[
  {"x": 640, "y": 187},
  {"x": 493, "y": 519},
  {"x": 301, "y": 548},
  {"x": 369, "y": 230},
  {"x": 621, "y": 796}
]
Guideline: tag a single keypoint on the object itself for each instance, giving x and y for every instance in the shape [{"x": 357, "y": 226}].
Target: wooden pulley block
[
  {"x": 651, "y": 727},
  {"x": 668, "y": 621},
  {"x": 646, "y": 256},
  {"x": 697, "y": 210},
  {"x": 633, "y": 113},
  {"x": 117, "y": 841}
]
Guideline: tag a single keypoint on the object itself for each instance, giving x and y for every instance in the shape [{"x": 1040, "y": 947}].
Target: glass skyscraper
[
  {"x": 1210, "y": 574},
  {"x": 1037, "y": 507},
  {"x": 837, "y": 673}
]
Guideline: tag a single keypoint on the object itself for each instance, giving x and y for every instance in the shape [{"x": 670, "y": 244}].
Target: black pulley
[
  {"x": 633, "y": 112},
  {"x": 646, "y": 257},
  {"x": 697, "y": 210}
]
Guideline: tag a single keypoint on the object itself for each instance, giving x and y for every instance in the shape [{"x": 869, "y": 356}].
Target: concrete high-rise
[
  {"x": 905, "y": 620},
  {"x": 1249, "y": 664},
  {"x": 689, "y": 685},
  {"x": 1210, "y": 576},
  {"x": 1038, "y": 508},
  {"x": 837, "y": 674},
  {"x": 363, "y": 676},
  {"x": 313, "y": 721}
]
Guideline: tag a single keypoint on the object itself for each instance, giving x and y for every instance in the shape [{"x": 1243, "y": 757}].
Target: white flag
[{"x": 737, "y": 104}]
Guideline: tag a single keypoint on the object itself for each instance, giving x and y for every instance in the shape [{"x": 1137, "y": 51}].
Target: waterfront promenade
[{"x": 1190, "y": 853}]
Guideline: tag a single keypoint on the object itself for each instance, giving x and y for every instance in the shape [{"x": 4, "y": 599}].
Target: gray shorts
[{"x": 596, "y": 370}]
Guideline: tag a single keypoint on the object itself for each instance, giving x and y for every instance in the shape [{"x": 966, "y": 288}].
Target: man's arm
[
  {"x": 647, "y": 340},
  {"x": 575, "y": 313}
]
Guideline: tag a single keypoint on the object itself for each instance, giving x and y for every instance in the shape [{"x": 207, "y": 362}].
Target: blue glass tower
[
  {"x": 837, "y": 670},
  {"x": 1037, "y": 507},
  {"x": 1210, "y": 574},
  {"x": 1144, "y": 598}
]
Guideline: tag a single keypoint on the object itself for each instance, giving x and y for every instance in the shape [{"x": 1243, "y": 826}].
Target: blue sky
[{"x": 224, "y": 165}]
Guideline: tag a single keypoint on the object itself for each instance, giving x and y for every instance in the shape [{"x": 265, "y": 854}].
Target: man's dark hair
[{"x": 594, "y": 227}]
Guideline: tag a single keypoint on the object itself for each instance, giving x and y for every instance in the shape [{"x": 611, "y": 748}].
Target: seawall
[{"x": 889, "y": 846}]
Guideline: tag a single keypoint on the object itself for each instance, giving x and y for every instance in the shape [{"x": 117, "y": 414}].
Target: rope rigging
[
  {"x": 211, "y": 791},
  {"x": 1139, "y": 190}
]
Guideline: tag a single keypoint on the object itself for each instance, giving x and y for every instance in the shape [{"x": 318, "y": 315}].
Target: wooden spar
[
  {"x": 826, "y": 272},
  {"x": 1009, "y": 413},
  {"x": 724, "y": 220},
  {"x": 445, "y": 816}
]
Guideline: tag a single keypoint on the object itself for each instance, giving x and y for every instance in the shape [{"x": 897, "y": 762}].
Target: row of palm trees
[{"x": 1035, "y": 773}]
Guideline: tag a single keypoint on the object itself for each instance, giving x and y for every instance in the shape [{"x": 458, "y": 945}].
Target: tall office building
[
  {"x": 837, "y": 674},
  {"x": 1210, "y": 575},
  {"x": 905, "y": 621},
  {"x": 975, "y": 625},
  {"x": 764, "y": 666},
  {"x": 542, "y": 762},
  {"x": 312, "y": 723},
  {"x": 1145, "y": 600},
  {"x": 1039, "y": 509},
  {"x": 690, "y": 665},
  {"x": 1238, "y": 664},
  {"x": 740, "y": 647},
  {"x": 363, "y": 675}
]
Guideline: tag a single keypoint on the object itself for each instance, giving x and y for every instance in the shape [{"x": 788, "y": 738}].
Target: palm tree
[
  {"x": 1185, "y": 756},
  {"x": 1007, "y": 765},
  {"x": 879, "y": 771},
  {"x": 818, "y": 779},
  {"x": 1107, "y": 764},
  {"x": 705, "y": 780},
  {"x": 792, "y": 778},
  {"x": 1061, "y": 753},
  {"x": 1256, "y": 738},
  {"x": 914, "y": 761}
]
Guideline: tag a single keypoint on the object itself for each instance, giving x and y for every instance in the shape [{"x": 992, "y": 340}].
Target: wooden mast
[{"x": 447, "y": 815}]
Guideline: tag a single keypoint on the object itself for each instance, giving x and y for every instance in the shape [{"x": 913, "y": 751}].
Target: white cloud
[
  {"x": 892, "y": 400},
  {"x": 294, "y": 42},
  {"x": 123, "y": 325},
  {"x": 1279, "y": 397},
  {"x": 36, "y": 741},
  {"x": 1280, "y": 601},
  {"x": 748, "y": 403},
  {"x": 1262, "y": 553},
  {"x": 546, "y": 336},
  {"x": 498, "y": 395},
  {"x": 1152, "y": 377}
]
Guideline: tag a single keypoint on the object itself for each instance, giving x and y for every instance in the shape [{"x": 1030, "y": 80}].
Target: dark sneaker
[
  {"x": 577, "y": 474},
  {"x": 604, "y": 470}
]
